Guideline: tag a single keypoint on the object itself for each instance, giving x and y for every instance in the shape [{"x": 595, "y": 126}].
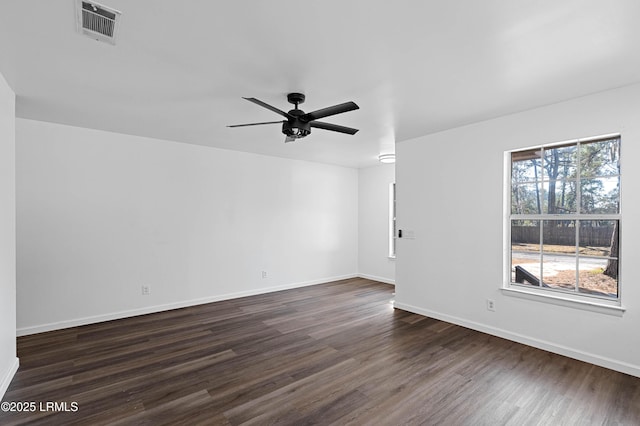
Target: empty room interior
[{"x": 283, "y": 212}]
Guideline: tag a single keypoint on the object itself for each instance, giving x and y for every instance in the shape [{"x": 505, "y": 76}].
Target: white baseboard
[
  {"x": 612, "y": 364},
  {"x": 24, "y": 331},
  {"x": 8, "y": 376},
  {"x": 376, "y": 278}
]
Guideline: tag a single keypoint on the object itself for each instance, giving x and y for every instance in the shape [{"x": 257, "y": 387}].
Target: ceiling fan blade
[
  {"x": 333, "y": 127},
  {"x": 256, "y": 124},
  {"x": 269, "y": 107},
  {"x": 332, "y": 110}
]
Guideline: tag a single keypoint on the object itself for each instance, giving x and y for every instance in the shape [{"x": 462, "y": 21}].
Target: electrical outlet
[
  {"x": 264, "y": 274},
  {"x": 146, "y": 290},
  {"x": 491, "y": 305}
]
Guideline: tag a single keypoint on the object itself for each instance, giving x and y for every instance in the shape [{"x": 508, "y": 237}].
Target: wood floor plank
[{"x": 335, "y": 353}]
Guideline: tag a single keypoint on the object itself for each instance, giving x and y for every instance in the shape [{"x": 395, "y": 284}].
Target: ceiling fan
[{"x": 298, "y": 124}]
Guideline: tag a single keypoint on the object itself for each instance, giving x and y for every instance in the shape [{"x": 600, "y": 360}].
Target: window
[
  {"x": 392, "y": 220},
  {"x": 564, "y": 218}
]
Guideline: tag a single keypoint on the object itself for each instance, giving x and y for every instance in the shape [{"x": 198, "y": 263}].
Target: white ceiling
[{"x": 180, "y": 68}]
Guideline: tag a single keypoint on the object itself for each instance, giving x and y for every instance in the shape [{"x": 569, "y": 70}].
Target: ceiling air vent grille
[{"x": 97, "y": 21}]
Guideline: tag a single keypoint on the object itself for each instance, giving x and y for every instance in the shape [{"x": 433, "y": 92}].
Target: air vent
[{"x": 97, "y": 21}]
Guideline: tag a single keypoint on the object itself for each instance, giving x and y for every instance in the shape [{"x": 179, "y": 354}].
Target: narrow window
[
  {"x": 564, "y": 218},
  {"x": 392, "y": 220}
]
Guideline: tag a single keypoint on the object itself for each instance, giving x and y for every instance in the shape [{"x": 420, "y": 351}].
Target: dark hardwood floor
[{"x": 335, "y": 353}]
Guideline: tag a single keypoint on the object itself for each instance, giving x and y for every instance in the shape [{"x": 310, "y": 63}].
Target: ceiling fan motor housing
[{"x": 295, "y": 127}]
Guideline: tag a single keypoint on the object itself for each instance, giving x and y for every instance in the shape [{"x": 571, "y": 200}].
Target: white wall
[
  {"x": 450, "y": 188},
  {"x": 101, "y": 214},
  {"x": 8, "y": 359},
  {"x": 373, "y": 223}
]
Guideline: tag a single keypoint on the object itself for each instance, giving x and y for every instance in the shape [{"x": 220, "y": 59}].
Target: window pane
[
  {"x": 559, "y": 236},
  {"x": 560, "y": 162},
  {"x": 525, "y": 235},
  {"x": 525, "y": 199},
  {"x": 525, "y": 251},
  {"x": 596, "y": 238},
  {"x": 599, "y": 271},
  {"x": 600, "y": 195},
  {"x": 526, "y": 166},
  {"x": 601, "y": 158},
  {"x": 559, "y": 271},
  {"x": 559, "y": 197},
  {"x": 559, "y": 253},
  {"x": 594, "y": 280}
]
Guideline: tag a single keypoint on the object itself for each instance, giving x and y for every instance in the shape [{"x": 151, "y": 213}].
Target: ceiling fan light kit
[{"x": 298, "y": 124}]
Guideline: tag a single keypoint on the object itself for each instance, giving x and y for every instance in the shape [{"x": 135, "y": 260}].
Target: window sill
[{"x": 554, "y": 299}]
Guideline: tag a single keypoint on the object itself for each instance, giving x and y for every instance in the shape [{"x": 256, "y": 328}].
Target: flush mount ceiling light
[{"x": 387, "y": 158}]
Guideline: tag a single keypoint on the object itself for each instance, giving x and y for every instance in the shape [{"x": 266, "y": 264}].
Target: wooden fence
[{"x": 596, "y": 236}]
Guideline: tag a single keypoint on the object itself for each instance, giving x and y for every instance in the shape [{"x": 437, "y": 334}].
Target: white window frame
[{"x": 547, "y": 295}]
